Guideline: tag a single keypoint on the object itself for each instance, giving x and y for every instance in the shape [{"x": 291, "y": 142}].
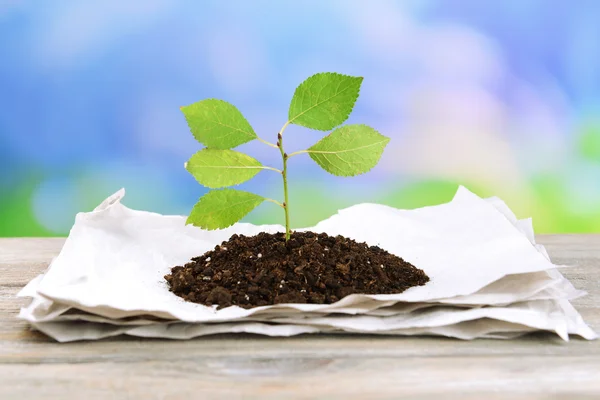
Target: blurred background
[{"x": 500, "y": 96}]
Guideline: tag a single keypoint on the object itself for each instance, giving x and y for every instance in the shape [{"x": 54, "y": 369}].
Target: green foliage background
[{"x": 502, "y": 97}]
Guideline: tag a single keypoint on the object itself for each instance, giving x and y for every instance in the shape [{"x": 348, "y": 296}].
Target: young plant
[{"x": 322, "y": 102}]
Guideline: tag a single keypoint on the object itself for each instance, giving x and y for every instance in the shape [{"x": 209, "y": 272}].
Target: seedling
[{"x": 322, "y": 102}]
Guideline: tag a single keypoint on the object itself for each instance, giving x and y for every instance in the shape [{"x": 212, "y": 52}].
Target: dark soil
[{"x": 250, "y": 271}]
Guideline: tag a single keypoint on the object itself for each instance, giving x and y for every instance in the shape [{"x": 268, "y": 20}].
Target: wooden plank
[
  {"x": 323, "y": 378},
  {"x": 23, "y": 259},
  {"x": 248, "y": 366}
]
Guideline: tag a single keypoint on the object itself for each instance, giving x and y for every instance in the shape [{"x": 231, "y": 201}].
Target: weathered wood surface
[{"x": 538, "y": 366}]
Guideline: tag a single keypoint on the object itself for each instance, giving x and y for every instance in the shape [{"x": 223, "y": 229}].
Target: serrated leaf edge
[
  {"x": 385, "y": 140},
  {"x": 291, "y": 121},
  {"x": 259, "y": 167},
  {"x": 187, "y": 222},
  {"x": 251, "y": 134}
]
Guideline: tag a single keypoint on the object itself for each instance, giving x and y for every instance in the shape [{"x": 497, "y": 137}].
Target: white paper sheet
[
  {"x": 467, "y": 329},
  {"x": 112, "y": 267},
  {"x": 510, "y": 289},
  {"x": 549, "y": 315},
  {"x": 115, "y": 251}
]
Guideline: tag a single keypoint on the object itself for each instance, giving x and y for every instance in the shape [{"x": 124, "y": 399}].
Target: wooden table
[{"x": 315, "y": 366}]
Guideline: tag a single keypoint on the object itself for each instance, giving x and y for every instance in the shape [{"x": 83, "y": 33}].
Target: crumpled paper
[{"x": 488, "y": 277}]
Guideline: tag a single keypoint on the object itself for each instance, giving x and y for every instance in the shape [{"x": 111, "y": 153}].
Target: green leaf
[
  {"x": 324, "y": 100},
  {"x": 218, "y": 168},
  {"x": 219, "y": 209},
  {"x": 218, "y": 124},
  {"x": 349, "y": 150}
]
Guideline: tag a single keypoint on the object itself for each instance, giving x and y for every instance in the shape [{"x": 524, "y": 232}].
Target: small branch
[
  {"x": 283, "y": 128},
  {"x": 267, "y": 143},
  {"x": 273, "y": 169},
  {"x": 298, "y": 152},
  {"x": 275, "y": 201}
]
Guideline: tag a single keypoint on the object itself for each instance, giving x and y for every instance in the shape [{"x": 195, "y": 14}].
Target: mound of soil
[{"x": 251, "y": 271}]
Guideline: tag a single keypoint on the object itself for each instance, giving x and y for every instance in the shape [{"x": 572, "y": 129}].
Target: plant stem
[
  {"x": 274, "y": 201},
  {"x": 271, "y": 168},
  {"x": 286, "y": 203},
  {"x": 298, "y": 152},
  {"x": 267, "y": 143}
]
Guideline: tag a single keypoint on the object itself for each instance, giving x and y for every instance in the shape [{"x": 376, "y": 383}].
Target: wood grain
[{"x": 537, "y": 366}]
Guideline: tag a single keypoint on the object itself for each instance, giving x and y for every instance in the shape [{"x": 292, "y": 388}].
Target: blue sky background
[{"x": 501, "y": 96}]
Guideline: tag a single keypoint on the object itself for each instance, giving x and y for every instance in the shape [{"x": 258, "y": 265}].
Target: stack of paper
[{"x": 489, "y": 279}]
